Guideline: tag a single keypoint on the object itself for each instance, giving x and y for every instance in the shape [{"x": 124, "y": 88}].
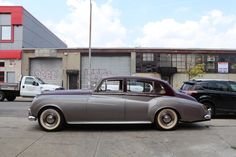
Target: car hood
[
  {"x": 69, "y": 92},
  {"x": 184, "y": 96}
]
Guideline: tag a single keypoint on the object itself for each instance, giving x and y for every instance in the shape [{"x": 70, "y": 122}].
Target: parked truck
[{"x": 29, "y": 86}]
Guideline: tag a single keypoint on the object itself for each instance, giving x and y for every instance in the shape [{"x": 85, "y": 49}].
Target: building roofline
[{"x": 146, "y": 49}]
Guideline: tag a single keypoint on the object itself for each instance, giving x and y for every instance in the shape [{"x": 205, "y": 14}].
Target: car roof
[
  {"x": 133, "y": 77},
  {"x": 205, "y": 80}
]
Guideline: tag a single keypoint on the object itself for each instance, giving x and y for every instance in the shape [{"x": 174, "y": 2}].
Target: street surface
[{"x": 22, "y": 138}]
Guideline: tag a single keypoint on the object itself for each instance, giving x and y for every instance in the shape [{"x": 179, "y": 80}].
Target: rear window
[{"x": 187, "y": 86}]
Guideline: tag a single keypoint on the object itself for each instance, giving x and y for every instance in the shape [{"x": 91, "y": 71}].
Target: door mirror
[{"x": 35, "y": 83}]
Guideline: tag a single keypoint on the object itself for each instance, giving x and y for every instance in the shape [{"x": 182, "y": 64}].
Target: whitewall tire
[{"x": 166, "y": 119}]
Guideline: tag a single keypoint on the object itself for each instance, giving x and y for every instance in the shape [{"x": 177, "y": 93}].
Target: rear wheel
[
  {"x": 51, "y": 119},
  {"x": 11, "y": 97},
  {"x": 2, "y": 96},
  {"x": 166, "y": 119}
]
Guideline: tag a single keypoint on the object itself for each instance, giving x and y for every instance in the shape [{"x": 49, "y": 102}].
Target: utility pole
[{"x": 90, "y": 34}]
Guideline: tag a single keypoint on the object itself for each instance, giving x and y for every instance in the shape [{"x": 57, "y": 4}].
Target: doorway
[{"x": 72, "y": 76}]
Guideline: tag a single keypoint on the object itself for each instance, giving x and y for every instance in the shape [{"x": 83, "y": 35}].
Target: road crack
[
  {"x": 31, "y": 145},
  {"x": 98, "y": 144}
]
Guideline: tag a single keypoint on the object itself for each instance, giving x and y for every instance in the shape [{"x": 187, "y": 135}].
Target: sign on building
[{"x": 223, "y": 67}]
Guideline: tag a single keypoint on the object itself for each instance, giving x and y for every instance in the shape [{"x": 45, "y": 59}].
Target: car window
[
  {"x": 233, "y": 86},
  {"x": 222, "y": 86},
  {"x": 139, "y": 86},
  {"x": 29, "y": 80},
  {"x": 159, "y": 89},
  {"x": 111, "y": 86}
]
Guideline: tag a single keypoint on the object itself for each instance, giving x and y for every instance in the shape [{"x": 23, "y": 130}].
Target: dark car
[
  {"x": 117, "y": 100},
  {"x": 219, "y": 95}
]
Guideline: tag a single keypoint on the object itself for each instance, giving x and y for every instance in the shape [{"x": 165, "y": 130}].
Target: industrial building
[
  {"x": 69, "y": 67},
  {"x": 18, "y": 30}
]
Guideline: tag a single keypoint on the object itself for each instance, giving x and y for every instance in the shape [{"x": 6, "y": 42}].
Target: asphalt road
[{"x": 22, "y": 138}]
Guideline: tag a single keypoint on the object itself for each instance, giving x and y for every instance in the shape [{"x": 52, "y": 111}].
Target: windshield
[{"x": 40, "y": 81}]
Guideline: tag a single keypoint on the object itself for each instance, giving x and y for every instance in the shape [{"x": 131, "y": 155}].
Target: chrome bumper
[
  {"x": 208, "y": 115},
  {"x": 30, "y": 117}
]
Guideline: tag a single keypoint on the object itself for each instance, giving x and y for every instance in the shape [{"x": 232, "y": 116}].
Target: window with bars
[{"x": 148, "y": 57}]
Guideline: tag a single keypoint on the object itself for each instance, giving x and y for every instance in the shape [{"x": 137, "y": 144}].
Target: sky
[{"x": 138, "y": 23}]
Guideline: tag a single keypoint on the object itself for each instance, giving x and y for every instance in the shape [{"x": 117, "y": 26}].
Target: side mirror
[{"x": 35, "y": 83}]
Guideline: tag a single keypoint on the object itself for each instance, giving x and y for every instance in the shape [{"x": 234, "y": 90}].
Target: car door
[
  {"x": 222, "y": 96},
  {"x": 138, "y": 98},
  {"x": 29, "y": 87},
  {"x": 107, "y": 103}
]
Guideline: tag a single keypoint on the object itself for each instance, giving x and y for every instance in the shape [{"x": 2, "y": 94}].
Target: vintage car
[{"x": 118, "y": 100}]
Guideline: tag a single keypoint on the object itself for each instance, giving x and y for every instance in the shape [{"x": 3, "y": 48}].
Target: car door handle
[{"x": 23, "y": 86}]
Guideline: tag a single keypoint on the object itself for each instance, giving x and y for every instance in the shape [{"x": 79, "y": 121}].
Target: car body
[
  {"x": 117, "y": 100},
  {"x": 219, "y": 95}
]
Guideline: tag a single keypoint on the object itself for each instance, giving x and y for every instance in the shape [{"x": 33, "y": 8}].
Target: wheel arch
[{"x": 41, "y": 109}]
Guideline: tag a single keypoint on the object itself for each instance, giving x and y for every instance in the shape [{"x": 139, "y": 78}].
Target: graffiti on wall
[
  {"x": 46, "y": 74},
  {"x": 96, "y": 75}
]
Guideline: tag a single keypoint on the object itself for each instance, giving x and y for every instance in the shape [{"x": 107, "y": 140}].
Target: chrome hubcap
[
  {"x": 166, "y": 118},
  {"x": 50, "y": 119}
]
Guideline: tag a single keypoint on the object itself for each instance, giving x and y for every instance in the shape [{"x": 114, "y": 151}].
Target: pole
[{"x": 90, "y": 34}]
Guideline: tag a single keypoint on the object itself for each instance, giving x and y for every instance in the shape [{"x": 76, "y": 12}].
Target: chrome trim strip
[{"x": 111, "y": 122}]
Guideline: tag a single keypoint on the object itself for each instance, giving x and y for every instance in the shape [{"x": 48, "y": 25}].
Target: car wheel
[
  {"x": 166, "y": 119},
  {"x": 51, "y": 119},
  {"x": 2, "y": 96},
  {"x": 209, "y": 106},
  {"x": 11, "y": 98}
]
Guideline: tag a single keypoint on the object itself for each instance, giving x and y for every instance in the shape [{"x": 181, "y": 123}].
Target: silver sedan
[{"x": 118, "y": 100}]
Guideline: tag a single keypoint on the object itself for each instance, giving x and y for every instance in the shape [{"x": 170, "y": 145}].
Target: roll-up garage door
[
  {"x": 48, "y": 69},
  {"x": 103, "y": 66}
]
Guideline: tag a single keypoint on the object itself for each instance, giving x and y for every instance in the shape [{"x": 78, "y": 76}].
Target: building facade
[
  {"x": 18, "y": 30},
  {"x": 69, "y": 67}
]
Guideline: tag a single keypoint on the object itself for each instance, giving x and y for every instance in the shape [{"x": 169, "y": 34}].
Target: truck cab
[{"x": 31, "y": 86}]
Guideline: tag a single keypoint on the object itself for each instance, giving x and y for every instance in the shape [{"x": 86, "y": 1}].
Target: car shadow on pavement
[{"x": 130, "y": 127}]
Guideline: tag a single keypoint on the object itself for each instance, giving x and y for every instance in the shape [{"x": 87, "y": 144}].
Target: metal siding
[
  {"x": 17, "y": 41},
  {"x": 103, "y": 66},
  {"x": 36, "y": 35},
  {"x": 48, "y": 69}
]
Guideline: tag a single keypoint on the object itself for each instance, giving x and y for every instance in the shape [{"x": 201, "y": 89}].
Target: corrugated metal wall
[
  {"x": 48, "y": 69},
  {"x": 103, "y": 66}
]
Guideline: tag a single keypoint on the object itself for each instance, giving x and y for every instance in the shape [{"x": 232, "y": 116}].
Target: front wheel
[
  {"x": 166, "y": 119},
  {"x": 51, "y": 119}
]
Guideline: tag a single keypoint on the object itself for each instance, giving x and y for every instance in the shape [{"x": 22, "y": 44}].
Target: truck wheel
[
  {"x": 2, "y": 96},
  {"x": 11, "y": 98}
]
